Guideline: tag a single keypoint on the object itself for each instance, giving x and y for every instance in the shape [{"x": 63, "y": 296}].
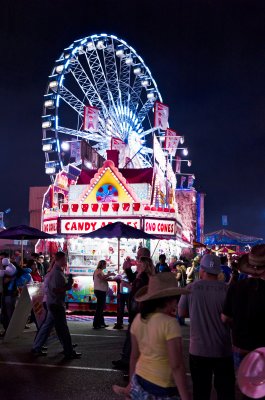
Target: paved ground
[{"x": 23, "y": 376}]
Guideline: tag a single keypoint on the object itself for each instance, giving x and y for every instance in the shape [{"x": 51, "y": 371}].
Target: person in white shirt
[{"x": 101, "y": 287}]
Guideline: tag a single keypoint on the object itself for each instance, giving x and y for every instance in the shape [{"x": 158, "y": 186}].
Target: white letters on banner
[
  {"x": 91, "y": 116},
  {"x": 117, "y": 144},
  {"x": 159, "y": 154},
  {"x": 50, "y": 226},
  {"x": 90, "y": 225},
  {"x": 178, "y": 164},
  {"x": 159, "y": 226},
  {"x": 161, "y": 115},
  {"x": 171, "y": 141}
]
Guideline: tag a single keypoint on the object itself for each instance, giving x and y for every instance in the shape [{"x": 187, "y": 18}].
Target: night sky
[{"x": 208, "y": 59}]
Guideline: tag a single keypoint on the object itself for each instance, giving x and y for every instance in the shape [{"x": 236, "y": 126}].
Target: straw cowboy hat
[
  {"x": 254, "y": 262},
  {"x": 160, "y": 285},
  {"x": 251, "y": 374}
]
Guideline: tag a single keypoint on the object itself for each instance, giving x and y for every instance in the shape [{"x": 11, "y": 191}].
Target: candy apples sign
[
  {"x": 89, "y": 225},
  {"x": 160, "y": 227}
]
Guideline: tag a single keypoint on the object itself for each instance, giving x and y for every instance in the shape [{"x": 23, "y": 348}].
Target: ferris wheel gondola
[{"x": 104, "y": 72}]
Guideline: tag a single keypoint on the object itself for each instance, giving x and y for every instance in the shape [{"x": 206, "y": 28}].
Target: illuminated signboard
[
  {"x": 50, "y": 226},
  {"x": 87, "y": 225},
  {"x": 160, "y": 226}
]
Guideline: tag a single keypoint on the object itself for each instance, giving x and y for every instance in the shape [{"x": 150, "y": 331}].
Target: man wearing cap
[
  {"x": 244, "y": 307},
  {"x": 210, "y": 352},
  {"x": 56, "y": 287}
]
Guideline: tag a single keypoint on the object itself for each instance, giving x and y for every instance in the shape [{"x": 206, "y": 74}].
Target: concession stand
[{"x": 83, "y": 200}]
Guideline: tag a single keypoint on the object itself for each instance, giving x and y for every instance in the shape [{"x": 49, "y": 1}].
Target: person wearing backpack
[{"x": 8, "y": 273}]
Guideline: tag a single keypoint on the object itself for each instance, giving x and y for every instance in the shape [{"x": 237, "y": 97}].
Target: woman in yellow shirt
[{"x": 156, "y": 363}]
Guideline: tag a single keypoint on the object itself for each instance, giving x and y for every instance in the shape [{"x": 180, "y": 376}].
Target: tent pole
[
  {"x": 22, "y": 252},
  {"x": 119, "y": 251},
  {"x": 155, "y": 248}
]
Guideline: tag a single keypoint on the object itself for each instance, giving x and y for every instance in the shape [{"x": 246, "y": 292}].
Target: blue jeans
[{"x": 44, "y": 332}]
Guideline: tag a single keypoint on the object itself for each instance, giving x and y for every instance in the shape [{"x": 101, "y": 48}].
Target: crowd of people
[
  {"x": 225, "y": 301},
  {"x": 223, "y": 298},
  {"x": 38, "y": 269}
]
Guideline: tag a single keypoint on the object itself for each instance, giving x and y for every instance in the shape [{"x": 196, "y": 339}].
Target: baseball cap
[{"x": 211, "y": 264}]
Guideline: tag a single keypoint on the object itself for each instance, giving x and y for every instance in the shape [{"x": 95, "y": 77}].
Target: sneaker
[
  {"x": 72, "y": 356},
  {"x": 74, "y": 345},
  {"x": 118, "y": 326},
  {"x": 38, "y": 353},
  {"x": 121, "y": 365}
]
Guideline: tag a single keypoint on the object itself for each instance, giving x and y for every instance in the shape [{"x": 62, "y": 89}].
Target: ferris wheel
[{"x": 106, "y": 73}]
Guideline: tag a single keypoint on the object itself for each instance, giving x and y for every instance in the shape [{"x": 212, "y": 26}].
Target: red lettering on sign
[{"x": 80, "y": 226}]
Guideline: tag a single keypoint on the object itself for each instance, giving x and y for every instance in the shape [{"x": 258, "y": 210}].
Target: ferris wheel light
[
  {"x": 46, "y": 124},
  {"x": 51, "y": 167},
  {"x": 49, "y": 100},
  {"x": 65, "y": 146},
  {"x": 185, "y": 152},
  {"x": 189, "y": 163},
  {"x": 151, "y": 94},
  {"x": 53, "y": 84},
  {"x": 128, "y": 60},
  {"x": 59, "y": 69},
  {"x": 138, "y": 69},
  {"x": 90, "y": 46},
  {"x": 49, "y": 145},
  {"x": 100, "y": 45},
  {"x": 49, "y": 104},
  {"x": 47, "y": 121},
  {"x": 182, "y": 140},
  {"x": 120, "y": 53},
  {"x": 145, "y": 82}
]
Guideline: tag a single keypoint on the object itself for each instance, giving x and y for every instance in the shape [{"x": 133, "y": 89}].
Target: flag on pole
[
  {"x": 161, "y": 115},
  {"x": 117, "y": 144},
  {"x": 75, "y": 150},
  {"x": 178, "y": 164},
  {"x": 190, "y": 181},
  {"x": 182, "y": 181},
  {"x": 171, "y": 141},
  {"x": 224, "y": 220},
  {"x": 91, "y": 118}
]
